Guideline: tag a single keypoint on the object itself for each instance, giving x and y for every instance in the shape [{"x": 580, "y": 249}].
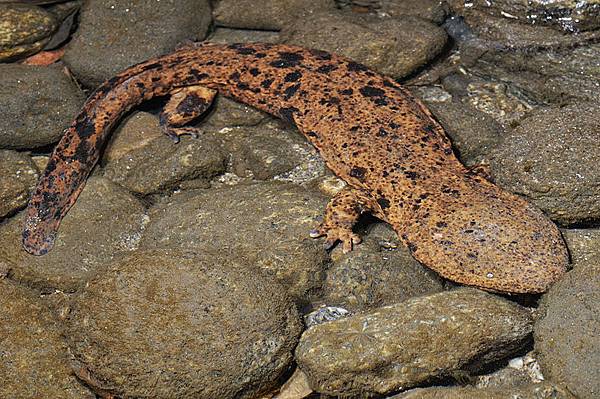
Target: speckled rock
[
  {"x": 556, "y": 168},
  {"x": 563, "y": 15},
  {"x": 432, "y": 10},
  {"x": 266, "y": 151},
  {"x": 392, "y": 46},
  {"x": 47, "y": 103},
  {"x": 264, "y": 224},
  {"x": 105, "y": 219},
  {"x": 126, "y": 32},
  {"x": 544, "y": 390},
  {"x": 378, "y": 272},
  {"x": 266, "y": 15},
  {"x": 473, "y": 133},
  {"x": 18, "y": 176},
  {"x": 227, "y": 35},
  {"x": 165, "y": 324},
  {"x": 583, "y": 244},
  {"x": 34, "y": 361},
  {"x": 144, "y": 160},
  {"x": 566, "y": 334},
  {"x": 406, "y": 344},
  {"x": 24, "y": 30}
]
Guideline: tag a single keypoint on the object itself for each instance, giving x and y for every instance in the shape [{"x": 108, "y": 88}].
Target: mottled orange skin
[{"x": 370, "y": 131}]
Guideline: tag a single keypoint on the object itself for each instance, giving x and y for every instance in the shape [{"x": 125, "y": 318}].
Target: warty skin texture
[{"x": 396, "y": 159}]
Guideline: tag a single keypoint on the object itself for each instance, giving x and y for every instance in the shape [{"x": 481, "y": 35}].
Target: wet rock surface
[
  {"x": 270, "y": 15},
  {"x": 380, "y": 271},
  {"x": 24, "y": 29},
  {"x": 34, "y": 360},
  {"x": 182, "y": 325},
  {"x": 47, "y": 103},
  {"x": 127, "y": 32},
  {"x": 583, "y": 244},
  {"x": 267, "y": 151},
  {"x": 264, "y": 224},
  {"x": 409, "y": 343},
  {"x": 18, "y": 176},
  {"x": 566, "y": 334},
  {"x": 555, "y": 168},
  {"x": 396, "y": 47},
  {"x": 544, "y": 390},
  {"x": 144, "y": 160},
  {"x": 106, "y": 219},
  {"x": 473, "y": 133}
]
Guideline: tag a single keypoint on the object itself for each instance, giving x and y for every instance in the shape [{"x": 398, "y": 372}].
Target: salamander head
[{"x": 482, "y": 236}]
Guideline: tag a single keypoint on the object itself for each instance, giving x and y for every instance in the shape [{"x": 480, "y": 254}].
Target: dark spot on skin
[
  {"x": 287, "y": 60},
  {"x": 287, "y": 114},
  {"x": 381, "y": 101},
  {"x": 471, "y": 255},
  {"x": 85, "y": 127},
  {"x": 292, "y": 76},
  {"x": 383, "y": 203},
  {"x": 82, "y": 152},
  {"x": 242, "y": 49},
  {"x": 266, "y": 83},
  {"x": 447, "y": 151},
  {"x": 354, "y": 128},
  {"x": 394, "y": 125},
  {"x": 329, "y": 101},
  {"x": 429, "y": 129},
  {"x": 347, "y": 92},
  {"x": 139, "y": 85},
  {"x": 254, "y": 71},
  {"x": 290, "y": 91},
  {"x": 155, "y": 79},
  {"x": 447, "y": 243},
  {"x": 388, "y": 83},
  {"x": 243, "y": 86},
  {"x": 312, "y": 134},
  {"x": 356, "y": 67},
  {"x": 235, "y": 76},
  {"x": 190, "y": 104},
  {"x": 358, "y": 172},
  {"x": 412, "y": 247},
  {"x": 441, "y": 224},
  {"x": 382, "y": 132},
  {"x": 370, "y": 91},
  {"x": 411, "y": 175},
  {"x": 326, "y": 68},
  {"x": 320, "y": 54}
]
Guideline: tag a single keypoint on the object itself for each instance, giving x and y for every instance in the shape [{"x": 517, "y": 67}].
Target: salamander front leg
[
  {"x": 341, "y": 215},
  {"x": 185, "y": 104}
]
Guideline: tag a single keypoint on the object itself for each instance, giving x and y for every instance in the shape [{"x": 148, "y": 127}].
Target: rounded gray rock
[
  {"x": 544, "y": 390},
  {"x": 114, "y": 35},
  {"x": 567, "y": 339},
  {"x": 552, "y": 158},
  {"x": 265, "y": 224},
  {"x": 403, "y": 345},
  {"x": 46, "y": 103},
  {"x": 34, "y": 361},
  {"x": 266, "y": 14},
  {"x": 144, "y": 160},
  {"x": 394, "y": 46},
  {"x": 105, "y": 219},
  {"x": 170, "y": 324},
  {"x": 379, "y": 271},
  {"x": 18, "y": 176}
]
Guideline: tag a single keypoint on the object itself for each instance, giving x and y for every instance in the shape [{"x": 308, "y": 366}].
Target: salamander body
[{"x": 371, "y": 132}]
